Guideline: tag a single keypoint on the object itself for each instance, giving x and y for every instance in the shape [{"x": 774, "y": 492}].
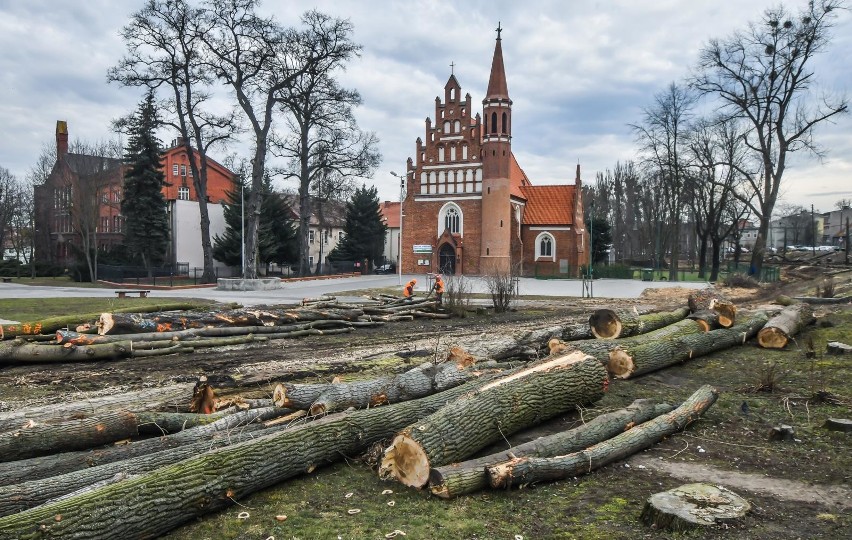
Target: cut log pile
[
  {"x": 166, "y": 456},
  {"x": 133, "y": 335}
]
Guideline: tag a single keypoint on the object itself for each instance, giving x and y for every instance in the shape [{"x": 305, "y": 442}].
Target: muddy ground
[{"x": 799, "y": 489}]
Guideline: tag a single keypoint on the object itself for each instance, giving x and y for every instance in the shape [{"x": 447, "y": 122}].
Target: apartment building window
[
  {"x": 310, "y": 237},
  {"x": 117, "y": 224},
  {"x": 183, "y": 193},
  {"x": 175, "y": 169},
  {"x": 183, "y": 170},
  {"x": 340, "y": 236},
  {"x": 105, "y": 224},
  {"x": 116, "y": 195},
  {"x": 311, "y": 261}
]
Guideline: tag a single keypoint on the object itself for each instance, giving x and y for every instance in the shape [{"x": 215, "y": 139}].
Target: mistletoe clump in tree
[
  {"x": 276, "y": 234},
  {"x": 364, "y": 230},
  {"x": 143, "y": 204}
]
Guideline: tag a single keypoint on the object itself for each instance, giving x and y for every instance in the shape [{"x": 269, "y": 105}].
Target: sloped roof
[
  {"x": 517, "y": 178},
  {"x": 390, "y": 211},
  {"x": 549, "y": 205},
  {"x": 84, "y": 164},
  {"x": 497, "y": 87},
  {"x": 333, "y": 212}
]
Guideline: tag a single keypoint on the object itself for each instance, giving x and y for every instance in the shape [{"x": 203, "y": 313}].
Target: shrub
[
  {"x": 456, "y": 297},
  {"x": 826, "y": 287},
  {"x": 502, "y": 286}
]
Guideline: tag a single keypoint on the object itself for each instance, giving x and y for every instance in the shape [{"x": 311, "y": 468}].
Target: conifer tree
[
  {"x": 276, "y": 236},
  {"x": 143, "y": 205},
  {"x": 364, "y": 230}
]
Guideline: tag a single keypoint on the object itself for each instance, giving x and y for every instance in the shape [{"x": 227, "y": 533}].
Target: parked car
[{"x": 386, "y": 269}]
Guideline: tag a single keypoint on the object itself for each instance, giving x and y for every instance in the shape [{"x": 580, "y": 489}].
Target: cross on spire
[
  {"x": 452, "y": 67},
  {"x": 499, "y": 29}
]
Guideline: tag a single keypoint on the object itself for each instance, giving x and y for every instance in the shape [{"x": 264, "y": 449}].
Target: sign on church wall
[{"x": 422, "y": 248}]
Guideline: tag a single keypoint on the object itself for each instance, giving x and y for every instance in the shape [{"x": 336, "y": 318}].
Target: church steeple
[{"x": 497, "y": 83}]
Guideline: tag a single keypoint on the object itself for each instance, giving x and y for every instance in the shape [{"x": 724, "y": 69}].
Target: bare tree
[
  {"x": 717, "y": 151},
  {"x": 8, "y": 190},
  {"x": 663, "y": 135},
  {"x": 164, "y": 51},
  {"x": 764, "y": 76}
]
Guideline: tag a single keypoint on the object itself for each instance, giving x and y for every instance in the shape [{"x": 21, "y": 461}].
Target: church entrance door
[{"x": 447, "y": 259}]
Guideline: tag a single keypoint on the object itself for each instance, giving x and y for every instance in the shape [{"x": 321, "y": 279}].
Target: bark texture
[
  {"x": 710, "y": 298},
  {"x": 19, "y": 351},
  {"x": 458, "y": 479},
  {"x": 635, "y": 359},
  {"x": 780, "y": 329},
  {"x": 708, "y": 319},
  {"x": 612, "y": 324},
  {"x": 527, "y": 470},
  {"x": 692, "y": 506},
  {"x": 524, "y": 345},
  {"x": 162, "y": 499},
  {"x": 523, "y": 399}
]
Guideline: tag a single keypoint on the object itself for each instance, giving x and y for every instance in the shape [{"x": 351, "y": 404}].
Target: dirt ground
[{"x": 798, "y": 489}]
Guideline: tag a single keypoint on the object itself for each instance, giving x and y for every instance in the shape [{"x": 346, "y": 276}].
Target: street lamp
[
  {"x": 401, "y": 197},
  {"x": 591, "y": 235},
  {"x": 243, "y": 228}
]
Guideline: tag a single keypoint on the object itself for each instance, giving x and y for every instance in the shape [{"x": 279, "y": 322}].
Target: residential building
[
  {"x": 469, "y": 207},
  {"x": 325, "y": 229},
  {"x": 390, "y": 217}
]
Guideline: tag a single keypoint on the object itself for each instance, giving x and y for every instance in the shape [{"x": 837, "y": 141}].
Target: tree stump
[
  {"x": 838, "y": 348},
  {"x": 692, "y": 506}
]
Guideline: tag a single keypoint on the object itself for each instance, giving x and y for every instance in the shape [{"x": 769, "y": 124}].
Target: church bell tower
[{"x": 495, "y": 253}]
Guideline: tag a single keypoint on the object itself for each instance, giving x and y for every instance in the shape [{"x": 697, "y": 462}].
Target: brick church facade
[{"x": 470, "y": 208}]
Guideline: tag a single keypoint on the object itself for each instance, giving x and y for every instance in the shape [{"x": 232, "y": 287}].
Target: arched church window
[
  {"x": 494, "y": 122},
  {"x": 505, "y": 123},
  {"x": 447, "y": 126},
  {"x": 450, "y": 219},
  {"x": 440, "y": 153},
  {"x": 545, "y": 246},
  {"x": 457, "y": 127},
  {"x": 452, "y": 94}
]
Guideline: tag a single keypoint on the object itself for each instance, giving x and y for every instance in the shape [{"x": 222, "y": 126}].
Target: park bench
[
  {"x": 124, "y": 294},
  {"x": 7, "y": 280}
]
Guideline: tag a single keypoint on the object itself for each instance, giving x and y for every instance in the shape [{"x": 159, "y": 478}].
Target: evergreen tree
[
  {"x": 143, "y": 204},
  {"x": 364, "y": 230},
  {"x": 601, "y": 238},
  {"x": 276, "y": 237}
]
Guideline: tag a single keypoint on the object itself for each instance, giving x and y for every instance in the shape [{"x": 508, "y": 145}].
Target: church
[{"x": 469, "y": 208}]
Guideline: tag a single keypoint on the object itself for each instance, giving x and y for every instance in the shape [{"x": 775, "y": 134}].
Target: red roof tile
[
  {"x": 549, "y": 205},
  {"x": 390, "y": 211},
  {"x": 517, "y": 179}
]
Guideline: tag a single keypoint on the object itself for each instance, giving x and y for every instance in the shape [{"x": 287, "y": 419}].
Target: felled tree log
[
  {"x": 817, "y": 300},
  {"x": 35, "y": 439},
  {"x": 14, "y": 472},
  {"x": 51, "y": 324},
  {"x": 612, "y": 324},
  {"x": 458, "y": 479},
  {"x": 19, "y": 351},
  {"x": 527, "y": 470},
  {"x": 524, "y": 345},
  {"x": 692, "y": 506},
  {"x": 174, "y": 397},
  {"x": 707, "y": 318},
  {"x": 709, "y": 298},
  {"x": 645, "y": 356},
  {"x": 781, "y": 328},
  {"x": 500, "y": 408},
  {"x": 168, "y": 496},
  {"x": 117, "y": 323},
  {"x": 427, "y": 378}
]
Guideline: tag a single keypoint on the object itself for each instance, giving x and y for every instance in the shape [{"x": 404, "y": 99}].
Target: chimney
[{"x": 61, "y": 139}]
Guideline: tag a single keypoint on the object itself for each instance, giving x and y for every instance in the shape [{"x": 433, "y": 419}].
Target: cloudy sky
[{"x": 579, "y": 72}]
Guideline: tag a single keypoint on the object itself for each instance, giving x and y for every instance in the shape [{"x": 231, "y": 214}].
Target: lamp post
[
  {"x": 591, "y": 236},
  {"x": 401, "y": 198},
  {"x": 243, "y": 228}
]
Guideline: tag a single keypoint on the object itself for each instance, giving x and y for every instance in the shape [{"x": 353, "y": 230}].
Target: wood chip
[
  {"x": 387, "y": 492},
  {"x": 353, "y": 511},
  {"x": 243, "y": 515},
  {"x": 281, "y": 517}
]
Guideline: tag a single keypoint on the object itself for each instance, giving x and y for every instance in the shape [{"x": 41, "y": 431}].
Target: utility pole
[
  {"x": 401, "y": 199},
  {"x": 813, "y": 233},
  {"x": 846, "y": 242}
]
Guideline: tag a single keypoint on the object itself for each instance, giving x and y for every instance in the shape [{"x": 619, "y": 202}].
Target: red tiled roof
[
  {"x": 517, "y": 179},
  {"x": 549, "y": 205},
  {"x": 390, "y": 211}
]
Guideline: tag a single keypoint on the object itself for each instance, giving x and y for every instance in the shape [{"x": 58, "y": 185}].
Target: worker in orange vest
[
  {"x": 438, "y": 287},
  {"x": 408, "y": 291}
]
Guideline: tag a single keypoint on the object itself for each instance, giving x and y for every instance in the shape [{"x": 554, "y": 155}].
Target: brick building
[
  {"x": 82, "y": 195},
  {"x": 470, "y": 208}
]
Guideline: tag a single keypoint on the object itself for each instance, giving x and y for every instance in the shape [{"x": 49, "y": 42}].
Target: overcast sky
[{"x": 578, "y": 72}]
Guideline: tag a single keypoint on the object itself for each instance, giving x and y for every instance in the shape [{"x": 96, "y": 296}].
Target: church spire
[{"x": 497, "y": 83}]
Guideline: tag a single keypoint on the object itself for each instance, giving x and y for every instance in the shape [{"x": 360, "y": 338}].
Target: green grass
[{"x": 34, "y": 309}]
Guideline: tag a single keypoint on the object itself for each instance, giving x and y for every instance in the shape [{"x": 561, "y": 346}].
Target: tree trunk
[
  {"x": 175, "y": 398},
  {"x": 708, "y": 319},
  {"x": 19, "y": 351},
  {"x": 708, "y": 298},
  {"x": 458, "y": 479},
  {"x": 612, "y": 324},
  {"x": 166, "y": 497},
  {"x": 527, "y": 470},
  {"x": 643, "y": 357},
  {"x": 52, "y": 324},
  {"x": 425, "y": 379},
  {"x": 117, "y": 323},
  {"x": 14, "y": 472},
  {"x": 498, "y": 409},
  {"x": 781, "y": 328},
  {"x": 524, "y": 345}
]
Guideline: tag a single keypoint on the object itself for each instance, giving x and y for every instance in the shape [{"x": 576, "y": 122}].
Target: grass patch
[{"x": 34, "y": 309}]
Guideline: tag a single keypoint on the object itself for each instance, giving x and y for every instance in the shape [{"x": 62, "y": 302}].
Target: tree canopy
[{"x": 364, "y": 230}]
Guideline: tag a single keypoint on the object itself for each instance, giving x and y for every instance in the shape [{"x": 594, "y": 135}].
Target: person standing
[
  {"x": 408, "y": 290},
  {"x": 439, "y": 287}
]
